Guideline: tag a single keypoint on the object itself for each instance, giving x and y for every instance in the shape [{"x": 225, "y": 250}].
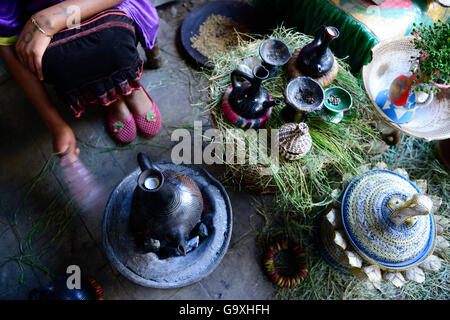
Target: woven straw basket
[{"x": 390, "y": 59}]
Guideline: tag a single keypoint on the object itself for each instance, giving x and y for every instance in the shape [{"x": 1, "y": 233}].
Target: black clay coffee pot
[
  {"x": 166, "y": 205},
  {"x": 250, "y": 99},
  {"x": 316, "y": 59},
  {"x": 59, "y": 290}
]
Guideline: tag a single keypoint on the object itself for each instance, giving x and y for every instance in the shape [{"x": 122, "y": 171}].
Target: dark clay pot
[
  {"x": 166, "y": 205},
  {"x": 250, "y": 99},
  {"x": 316, "y": 59},
  {"x": 58, "y": 290}
]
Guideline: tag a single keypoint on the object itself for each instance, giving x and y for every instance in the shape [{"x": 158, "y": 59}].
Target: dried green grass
[
  {"x": 337, "y": 148},
  {"x": 325, "y": 282},
  {"x": 43, "y": 235},
  {"x": 304, "y": 187},
  {"x": 120, "y": 146}
]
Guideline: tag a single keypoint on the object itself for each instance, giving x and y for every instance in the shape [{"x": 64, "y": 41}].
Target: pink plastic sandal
[
  {"x": 150, "y": 123},
  {"x": 123, "y": 131}
]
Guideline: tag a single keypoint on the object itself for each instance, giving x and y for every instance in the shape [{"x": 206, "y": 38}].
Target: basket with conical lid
[
  {"x": 372, "y": 218},
  {"x": 385, "y": 227}
]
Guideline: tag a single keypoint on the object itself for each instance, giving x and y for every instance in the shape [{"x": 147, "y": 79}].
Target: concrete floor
[{"x": 25, "y": 149}]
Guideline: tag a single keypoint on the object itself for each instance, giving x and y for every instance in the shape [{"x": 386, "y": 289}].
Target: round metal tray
[
  {"x": 239, "y": 12},
  {"x": 147, "y": 269}
]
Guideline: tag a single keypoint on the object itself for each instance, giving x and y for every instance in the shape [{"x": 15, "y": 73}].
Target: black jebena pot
[
  {"x": 166, "y": 206},
  {"x": 59, "y": 290},
  {"x": 250, "y": 99},
  {"x": 316, "y": 59}
]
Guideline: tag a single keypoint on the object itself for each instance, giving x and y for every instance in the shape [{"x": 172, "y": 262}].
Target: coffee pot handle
[
  {"x": 238, "y": 73},
  {"x": 427, "y": 100},
  {"x": 415, "y": 68},
  {"x": 144, "y": 162}
]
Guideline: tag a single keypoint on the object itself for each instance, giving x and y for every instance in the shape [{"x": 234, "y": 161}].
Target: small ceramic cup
[
  {"x": 400, "y": 106},
  {"x": 337, "y": 101}
]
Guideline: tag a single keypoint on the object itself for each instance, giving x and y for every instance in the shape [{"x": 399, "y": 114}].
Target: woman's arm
[
  {"x": 56, "y": 18},
  {"x": 62, "y": 135},
  {"x": 32, "y": 42}
]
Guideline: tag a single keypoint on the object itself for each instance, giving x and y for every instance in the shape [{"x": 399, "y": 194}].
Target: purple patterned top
[{"x": 14, "y": 13}]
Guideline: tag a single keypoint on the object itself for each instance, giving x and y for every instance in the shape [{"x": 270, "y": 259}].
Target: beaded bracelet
[
  {"x": 40, "y": 28},
  {"x": 272, "y": 272}
]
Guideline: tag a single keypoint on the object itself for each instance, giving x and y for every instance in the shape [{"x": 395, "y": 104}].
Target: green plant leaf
[{"x": 432, "y": 43}]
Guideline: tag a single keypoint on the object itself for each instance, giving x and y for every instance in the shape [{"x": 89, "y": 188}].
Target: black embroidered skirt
[{"x": 95, "y": 62}]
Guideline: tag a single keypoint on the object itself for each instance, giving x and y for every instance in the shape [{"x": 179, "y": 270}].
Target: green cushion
[{"x": 354, "y": 43}]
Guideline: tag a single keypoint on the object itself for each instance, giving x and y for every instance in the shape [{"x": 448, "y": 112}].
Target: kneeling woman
[{"x": 95, "y": 61}]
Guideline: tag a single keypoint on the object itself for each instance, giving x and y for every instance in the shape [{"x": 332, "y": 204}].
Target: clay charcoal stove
[{"x": 181, "y": 252}]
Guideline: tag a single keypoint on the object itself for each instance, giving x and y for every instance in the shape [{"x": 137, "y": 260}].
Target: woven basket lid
[
  {"x": 365, "y": 217},
  {"x": 294, "y": 140}
]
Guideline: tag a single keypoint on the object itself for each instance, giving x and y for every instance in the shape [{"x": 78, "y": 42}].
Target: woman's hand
[
  {"x": 32, "y": 43},
  {"x": 64, "y": 142},
  {"x": 30, "y": 48},
  {"x": 63, "y": 138}
]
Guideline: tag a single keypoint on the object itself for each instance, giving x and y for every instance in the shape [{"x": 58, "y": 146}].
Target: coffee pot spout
[
  {"x": 271, "y": 103},
  {"x": 144, "y": 162}
]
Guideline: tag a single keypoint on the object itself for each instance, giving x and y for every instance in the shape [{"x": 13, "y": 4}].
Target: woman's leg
[
  {"x": 153, "y": 55},
  {"x": 118, "y": 110},
  {"x": 138, "y": 102},
  {"x": 97, "y": 63}
]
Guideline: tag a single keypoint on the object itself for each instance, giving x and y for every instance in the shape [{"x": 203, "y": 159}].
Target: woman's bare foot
[
  {"x": 138, "y": 102},
  {"x": 118, "y": 110}
]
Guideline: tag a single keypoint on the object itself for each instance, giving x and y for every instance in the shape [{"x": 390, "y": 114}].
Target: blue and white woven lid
[{"x": 365, "y": 217}]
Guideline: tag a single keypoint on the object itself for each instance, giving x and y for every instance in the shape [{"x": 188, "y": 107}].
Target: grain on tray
[{"x": 217, "y": 35}]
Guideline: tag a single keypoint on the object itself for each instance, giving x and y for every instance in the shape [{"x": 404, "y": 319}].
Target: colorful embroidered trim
[
  {"x": 124, "y": 88},
  {"x": 98, "y": 16},
  {"x": 85, "y": 33},
  {"x": 272, "y": 272}
]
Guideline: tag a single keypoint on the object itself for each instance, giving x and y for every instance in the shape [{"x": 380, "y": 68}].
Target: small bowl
[
  {"x": 274, "y": 52},
  {"x": 305, "y": 94},
  {"x": 345, "y": 99}
]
